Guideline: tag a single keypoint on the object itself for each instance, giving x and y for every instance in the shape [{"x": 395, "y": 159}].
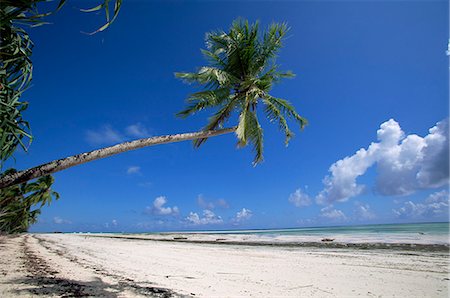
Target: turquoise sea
[
  {"x": 439, "y": 228},
  {"x": 424, "y": 233}
]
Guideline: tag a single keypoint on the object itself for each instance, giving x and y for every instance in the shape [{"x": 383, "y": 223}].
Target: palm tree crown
[{"x": 240, "y": 74}]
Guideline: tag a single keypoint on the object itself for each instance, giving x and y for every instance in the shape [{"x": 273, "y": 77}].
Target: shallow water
[{"x": 425, "y": 233}]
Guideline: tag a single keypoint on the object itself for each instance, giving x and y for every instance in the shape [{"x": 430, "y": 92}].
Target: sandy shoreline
[
  {"x": 426, "y": 244},
  {"x": 81, "y": 265}
]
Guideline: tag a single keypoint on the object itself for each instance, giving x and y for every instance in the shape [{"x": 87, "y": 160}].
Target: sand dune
[{"x": 54, "y": 264}]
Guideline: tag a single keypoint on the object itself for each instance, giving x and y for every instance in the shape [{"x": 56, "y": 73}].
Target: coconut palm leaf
[
  {"x": 16, "y": 67},
  {"x": 240, "y": 75}
]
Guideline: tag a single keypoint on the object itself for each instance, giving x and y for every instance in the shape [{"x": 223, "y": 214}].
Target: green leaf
[{"x": 242, "y": 62}]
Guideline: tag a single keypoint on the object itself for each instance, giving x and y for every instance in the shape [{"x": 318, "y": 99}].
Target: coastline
[
  {"x": 283, "y": 241},
  {"x": 93, "y": 265}
]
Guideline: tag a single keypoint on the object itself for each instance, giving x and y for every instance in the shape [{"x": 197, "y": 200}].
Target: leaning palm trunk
[{"x": 64, "y": 163}]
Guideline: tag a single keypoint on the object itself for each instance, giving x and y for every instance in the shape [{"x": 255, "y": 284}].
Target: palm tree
[
  {"x": 241, "y": 73},
  {"x": 21, "y": 204}
]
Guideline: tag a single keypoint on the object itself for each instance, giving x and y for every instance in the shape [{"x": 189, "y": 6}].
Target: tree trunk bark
[{"x": 64, "y": 163}]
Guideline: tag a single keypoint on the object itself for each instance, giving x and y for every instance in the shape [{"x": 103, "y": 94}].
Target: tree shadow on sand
[
  {"x": 53, "y": 286},
  {"x": 42, "y": 280}
]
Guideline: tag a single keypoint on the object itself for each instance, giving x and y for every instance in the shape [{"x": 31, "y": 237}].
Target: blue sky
[{"x": 358, "y": 65}]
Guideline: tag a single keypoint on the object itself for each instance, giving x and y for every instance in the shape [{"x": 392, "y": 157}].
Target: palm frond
[
  {"x": 249, "y": 130},
  {"x": 274, "y": 114},
  {"x": 214, "y": 58},
  {"x": 204, "y": 99},
  {"x": 217, "y": 120},
  {"x": 286, "y": 108},
  {"x": 16, "y": 67},
  {"x": 242, "y": 61},
  {"x": 271, "y": 44},
  {"x": 211, "y": 76}
]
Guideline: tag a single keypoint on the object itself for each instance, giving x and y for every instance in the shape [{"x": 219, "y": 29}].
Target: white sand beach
[{"x": 77, "y": 265}]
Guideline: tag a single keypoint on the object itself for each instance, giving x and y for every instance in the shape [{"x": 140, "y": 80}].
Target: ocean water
[
  {"x": 425, "y": 233},
  {"x": 440, "y": 228}
]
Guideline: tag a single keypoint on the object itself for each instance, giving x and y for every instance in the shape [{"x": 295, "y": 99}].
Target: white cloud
[
  {"x": 436, "y": 205},
  {"x": 437, "y": 197},
  {"x": 404, "y": 164},
  {"x": 363, "y": 212},
  {"x": 114, "y": 222},
  {"x": 435, "y": 169},
  {"x": 106, "y": 135},
  {"x": 159, "y": 209},
  {"x": 205, "y": 204},
  {"x": 208, "y": 218},
  {"x": 333, "y": 214},
  {"x": 299, "y": 198},
  {"x": 58, "y": 220},
  {"x": 133, "y": 170},
  {"x": 137, "y": 130},
  {"x": 243, "y": 215}
]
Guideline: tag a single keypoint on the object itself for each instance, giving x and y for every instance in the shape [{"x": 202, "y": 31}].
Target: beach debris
[
  {"x": 327, "y": 240},
  {"x": 221, "y": 239},
  {"x": 179, "y": 238}
]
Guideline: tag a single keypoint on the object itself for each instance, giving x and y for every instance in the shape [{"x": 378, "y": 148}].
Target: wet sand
[{"x": 54, "y": 265}]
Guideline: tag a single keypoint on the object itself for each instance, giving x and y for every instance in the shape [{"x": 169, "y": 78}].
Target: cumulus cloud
[
  {"x": 300, "y": 198},
  {"x": 435, "y": 165},
  {"x": 107, "y": 135},
  {"x": 243, "y": 215},
  {"x": 104, "y": 136},
  {"x": 133, "y": 170},
  {"x": 59, "y": 221},
  {"x": 363, "y": 212},
  {"x": 137, "y": 130},
  {"x": 208, "y": 218},
  {"x": 209, "y": 205},
  {"x": 435, "y": 205},
  {"x": 404, "y": 164},
  {"x": 330, "y": 212},
  {"x": 159, "y": 209}
]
